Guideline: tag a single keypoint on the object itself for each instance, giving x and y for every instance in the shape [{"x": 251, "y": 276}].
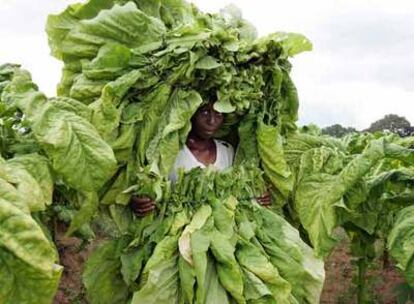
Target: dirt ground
[
  {"x": 382, "y": 281},
  {"x": 338, "y": 287},
  {"x": 70, "y": 288}
]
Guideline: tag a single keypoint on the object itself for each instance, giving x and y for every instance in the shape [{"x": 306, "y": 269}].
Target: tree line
[{"x": 390, "y": 122}]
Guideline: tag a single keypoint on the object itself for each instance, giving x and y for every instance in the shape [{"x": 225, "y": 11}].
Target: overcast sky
[{"x": 361, "y": 68}]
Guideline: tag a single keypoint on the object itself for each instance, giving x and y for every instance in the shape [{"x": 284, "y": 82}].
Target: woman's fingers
[
  {"x": 266, "y": 203},
  {"x": 265, "y": 199},
  {"x": 144, "y": 211},
  {"x": 146, "y": 208},
  {"x": 145, "y": 205},
  {"x": 141, "y": 200},
  {"x": 142, "y": 205},
  {"x": 141, "y": 212}
]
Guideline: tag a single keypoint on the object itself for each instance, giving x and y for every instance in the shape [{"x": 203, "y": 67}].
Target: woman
[{"x": 200, "y": 150}]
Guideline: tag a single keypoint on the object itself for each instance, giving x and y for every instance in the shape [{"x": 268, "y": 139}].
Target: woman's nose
[{"x": 212, "y": 119}]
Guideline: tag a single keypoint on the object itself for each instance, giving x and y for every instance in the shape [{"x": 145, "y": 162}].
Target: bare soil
[
  {"x": 72, "y": 259},
  {"x": 73, "y": 255},
  {"x": 382, "y": 280}
]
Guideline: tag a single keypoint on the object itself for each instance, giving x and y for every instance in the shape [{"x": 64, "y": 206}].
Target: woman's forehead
[{"x": 207, "y": 105}]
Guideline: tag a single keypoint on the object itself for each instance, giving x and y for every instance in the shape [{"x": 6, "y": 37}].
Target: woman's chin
[
  {"x": 206, "y": 134},
  {"x": 209, "y": 134}
]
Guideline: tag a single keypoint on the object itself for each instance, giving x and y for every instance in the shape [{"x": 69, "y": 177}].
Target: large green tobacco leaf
[
  {"x": 271, "y": 153},
  {"x": 394, "y": 151},
  {"x": 155, "y": 105},
  {"x": 320, "y": 194},
  {"x": 255, "y": 291},
  {"x": 328, "y": 191},
  {"x": 295, "y": 260},
  {"x": 187, "y": 279},
  {"x": 247, "y": 147},
  {"x": 162, "y": 286},
  {"x": 216, "y": 293},
  {"x": 80, "y": 32},
  {"x": 20, "y": 283},
  {"x": 26, "y": 185},
  {"x": 193, "y": 245},
  {"x": 27, "y": 258},
  {"x": 58, "y": 26},
  {"x": 15, "y": 136},
  {"x": 173, "y": 130},
  {"x": 89, "y": 202},
  {"x": 228, "y": 268},
  {"x": 74, "y": 147},
  {"x": 171, "y": 12},
  {"x": 395, "y": 186},
  {"x": 198, "y": 221},
  {"x": 23, "y": 237},
  {"x": 200, "y": 243},
  {"x": 291, "y": 43},
  {"x": 160, "y": 275},
  {"x": 102, "y": 276},
  {"x": 401, "y": 242},
  {"x": 383, "y": 195},
  {"x": 299, "y": 143},
  {"x": 31, "y": 176},
  {"x": 106, "y": 114},
  {"x": 317, "y": 198},
  {"x": 124, "y": 24},
  {"x": 258, "y": 268},
  {"x": 38, "y": 167}
]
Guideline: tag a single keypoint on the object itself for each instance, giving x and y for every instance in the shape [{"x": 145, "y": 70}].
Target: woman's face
[{"x": 206, "y": 121}]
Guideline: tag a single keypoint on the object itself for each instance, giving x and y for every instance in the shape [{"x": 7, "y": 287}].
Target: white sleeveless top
[{"x": 186, "y": 160}]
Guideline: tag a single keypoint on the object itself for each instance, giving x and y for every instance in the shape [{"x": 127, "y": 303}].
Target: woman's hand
[
  {"x": 142, "y": 206},
  {"x": 265, "y": 200}
]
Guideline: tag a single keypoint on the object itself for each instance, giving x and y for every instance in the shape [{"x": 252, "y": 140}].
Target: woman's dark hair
[{"x": 209, "y": 96}]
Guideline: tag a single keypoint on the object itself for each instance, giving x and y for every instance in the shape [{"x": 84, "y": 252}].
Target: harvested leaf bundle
[
  {"x": 210, "y": 242},
  {"x": 144, "y": 67}
]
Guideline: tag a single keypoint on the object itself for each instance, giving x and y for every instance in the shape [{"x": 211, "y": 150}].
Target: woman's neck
[{"x": 195, "y": 142}]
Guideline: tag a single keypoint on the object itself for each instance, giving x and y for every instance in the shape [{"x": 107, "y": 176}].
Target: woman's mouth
[{"x": 210, "y": 131}]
